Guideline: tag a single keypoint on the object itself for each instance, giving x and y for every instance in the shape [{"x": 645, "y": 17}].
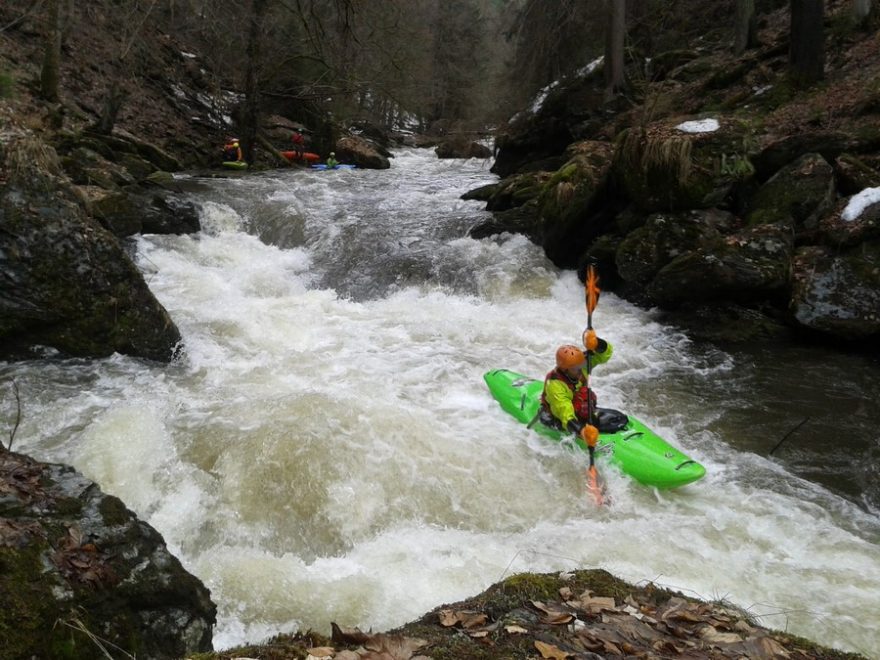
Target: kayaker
[
  {"x": 232, "y": 151},
  {"x": 299, "y": 144},
  {"x": 331, "y": 161},
  {"x": 564, "y": 401}
]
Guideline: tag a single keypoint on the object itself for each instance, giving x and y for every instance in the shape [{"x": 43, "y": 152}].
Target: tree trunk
[
  {"x": 746, "y": 26},
  {"x": 614, "y": 39},
  {"x": 861, "y": 10},
  {"x": 807, "y": 47},
  {"x": 252, "y": 84},
  {"x": 116, "y": 96},
  {"x": 50, "y": 76}
]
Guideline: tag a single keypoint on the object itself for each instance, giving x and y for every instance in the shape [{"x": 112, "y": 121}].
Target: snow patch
[
  {"x": 859, "y": 202},
  {"x": 699, "y": 126}
]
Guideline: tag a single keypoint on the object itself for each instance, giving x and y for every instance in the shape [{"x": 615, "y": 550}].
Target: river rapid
[{"x": 326, "y": 449}]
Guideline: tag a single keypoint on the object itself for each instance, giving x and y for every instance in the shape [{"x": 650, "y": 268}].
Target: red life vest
[{"x": 581, "y": 397}]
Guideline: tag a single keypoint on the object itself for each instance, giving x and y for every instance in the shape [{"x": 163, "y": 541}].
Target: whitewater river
[{"x": 327, "y": 451}]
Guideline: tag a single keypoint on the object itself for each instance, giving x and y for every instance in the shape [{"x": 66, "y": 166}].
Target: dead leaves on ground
[
  {"x": 372, "y": 647},
  {"x": 589, "y": 623},
  {"x": 82, "y": 562}
]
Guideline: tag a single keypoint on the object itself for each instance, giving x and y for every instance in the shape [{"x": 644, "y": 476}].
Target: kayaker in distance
[
  {"x": 331, "y": 160},
  {"x": 299, "y": 143},
  {"x": 565, "y": 401},
  {"x": 232, "y": 151}
]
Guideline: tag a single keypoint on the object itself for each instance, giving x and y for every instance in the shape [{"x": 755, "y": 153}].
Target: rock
[
  {"x": 361, "y": 152},
  {"x": 661, "y": 168},
  {"x": 750, "y": 266},
  {"x": 801, "y": 192},
  {"x": 66, "y": 281},
  {"x": 854, "y": 174},
  {"x": 462, "y": 148},
  {"x": 79, "y": 566},
  {"x": 838, "y": 292},
  {"x": 570, "y": 200},
  {"x": 138, "y": 211},
  {"x": 664, "y": 236}
]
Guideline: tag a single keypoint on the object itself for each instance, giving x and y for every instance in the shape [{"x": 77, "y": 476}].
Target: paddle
[{"x": 591, "y": 290}]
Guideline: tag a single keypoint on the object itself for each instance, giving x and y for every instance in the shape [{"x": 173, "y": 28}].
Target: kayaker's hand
[
  {"x": 575, "y": 426},
  {"x": 591, "y": 341},
  {"x": 590, "y": 435}
]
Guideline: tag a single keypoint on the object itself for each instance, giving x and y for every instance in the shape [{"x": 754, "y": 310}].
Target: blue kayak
[{"x": 340, "y": 166}]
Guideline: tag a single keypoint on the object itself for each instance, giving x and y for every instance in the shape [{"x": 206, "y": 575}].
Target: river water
[{"x": 326, "y": 450}]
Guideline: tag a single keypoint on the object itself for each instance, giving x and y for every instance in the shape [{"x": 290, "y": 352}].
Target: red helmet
[{"x": 569, "y": 357}]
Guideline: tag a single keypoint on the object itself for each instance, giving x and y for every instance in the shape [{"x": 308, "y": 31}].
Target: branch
[{"x": 17, "y": 416}]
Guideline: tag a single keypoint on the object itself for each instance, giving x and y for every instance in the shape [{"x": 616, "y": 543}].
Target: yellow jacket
[{"x": 559, "y": 390}]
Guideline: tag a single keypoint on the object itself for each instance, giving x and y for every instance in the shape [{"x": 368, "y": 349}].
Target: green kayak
[{"x": 623, "y": 440}]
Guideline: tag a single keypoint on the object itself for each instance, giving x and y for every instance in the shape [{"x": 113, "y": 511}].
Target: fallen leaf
[
  {"x": 516, "y": 630},
  {"x": 321, "y": 652},
  {"x": 477, "y": 634},
  {"x": 396, "y": 646},
  {"x": 472, "y": 619},
  {"x": 448, "y": 618},
  {"x": 597, "y": 604},
  {"x": 347, "y": 635},
  {"x": 711, "y": 635},
  {"x": 550, "y": 651},
  {"x": 557, "y": 618}
]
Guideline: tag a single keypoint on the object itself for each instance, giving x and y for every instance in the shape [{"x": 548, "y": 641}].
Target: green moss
[
  {"x": 7, "y": 85},
  {"x": 113, "y": 511},
  {"x": 68, "y": 506}
]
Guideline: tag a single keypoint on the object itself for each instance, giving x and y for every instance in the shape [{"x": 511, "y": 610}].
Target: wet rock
[
  {"x": 838, "y": 293},
  {"x": 79, "y": 570},
  {"x": 462, "y": 148},
  {"x": 65, "y": 281},
  {"x": 748, "y": 266},
  {"x": 362, "y": 152},
  {"x": 801, "y": 192},
  {"x": 665, "y": 236}
]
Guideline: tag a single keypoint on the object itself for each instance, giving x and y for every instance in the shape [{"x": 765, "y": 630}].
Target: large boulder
[
  {"x": 65, "y": 281},
  {"x": 800, "y": 193},
  {"x": 571, "y": 200},
  {"x": 462, "y": 147},
  {"x": 665, "y": 236},
  {"x": 749, "y": 266},
  {"x": 361, "y": 151},
  {"x": 666, "y": 167},
  {"x": 572, "y": 109},
  {"x": 838, "y": 292},
  {"x": 78, "y": 570},
  {"x": 141, "y": 211}
]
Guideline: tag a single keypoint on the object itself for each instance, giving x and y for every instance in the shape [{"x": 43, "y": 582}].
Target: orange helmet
[{"x": 569, "y": 357}]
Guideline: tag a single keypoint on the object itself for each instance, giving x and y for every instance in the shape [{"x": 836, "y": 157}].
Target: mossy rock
[
  {"x": 661, "y": 168},
  {"x": 800, "y": 193}
]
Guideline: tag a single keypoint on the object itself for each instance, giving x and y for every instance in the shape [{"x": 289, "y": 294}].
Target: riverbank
[{"x": 581, "y": 615}]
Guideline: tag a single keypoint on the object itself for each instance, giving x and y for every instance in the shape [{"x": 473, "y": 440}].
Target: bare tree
[
  {"x": 807, "y": 47},
  {"x": 615, "y": 33},
  {"x": 251, "y": 121},
  {"x": 50, "y": 76},
  {"x": 746, "y": 35},
  {"x": 132, "y": 23}
]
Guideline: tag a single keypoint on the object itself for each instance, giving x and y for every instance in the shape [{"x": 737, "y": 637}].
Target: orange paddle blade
[
  {"x": 594, "y": 485},
  {"x": 591, "y": 286}
]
